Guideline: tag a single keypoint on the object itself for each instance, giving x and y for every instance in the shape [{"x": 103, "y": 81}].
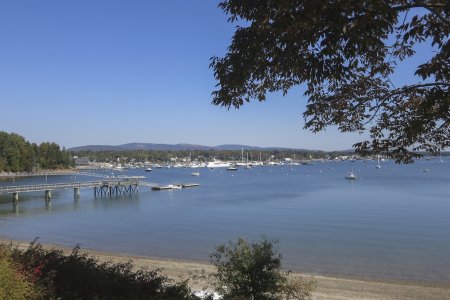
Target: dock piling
[
  {"x": 48, "y": 195},
  {"x": 76, "y": 192}
]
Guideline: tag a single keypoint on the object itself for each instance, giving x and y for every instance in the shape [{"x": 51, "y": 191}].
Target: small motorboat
[
  {"x": 163, "y": 187},
  {"x": 350, "y": 176}
]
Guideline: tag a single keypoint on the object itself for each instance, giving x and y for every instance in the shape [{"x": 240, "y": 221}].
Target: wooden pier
[{"x": 110, "y": 187}]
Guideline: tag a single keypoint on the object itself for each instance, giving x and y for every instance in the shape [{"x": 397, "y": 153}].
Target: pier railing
[
  {"x": 45, "y": 187},
  {"x": 108, "y": 187}
]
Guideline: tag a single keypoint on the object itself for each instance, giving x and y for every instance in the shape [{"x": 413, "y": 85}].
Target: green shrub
[
  {"x": 79, "y": 276},
  {"x": 14, "y": 284},
  {"x": 253, "y": 271}
]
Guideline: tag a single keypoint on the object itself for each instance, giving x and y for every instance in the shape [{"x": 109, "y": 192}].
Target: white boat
[
  {"x": 231, "y": 169},
  {"x": 197, "y": 173},
  {"x": 378, "y": 166},
  {"x": 241, "y": 163},
  {"x": 148, "y": 170},
  {"x": 350, "y": 176},
  {"x": 187, "y": 185},
  {"x": 163, "y": 187},
  {"x": 217, "y": 164},
  {"x": 119, "y": 167}
]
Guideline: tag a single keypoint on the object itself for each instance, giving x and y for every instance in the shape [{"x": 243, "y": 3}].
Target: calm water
[{"x": 392, "y": 223}]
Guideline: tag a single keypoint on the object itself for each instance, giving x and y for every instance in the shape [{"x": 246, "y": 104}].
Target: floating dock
[{"x": 173, "y": 186}]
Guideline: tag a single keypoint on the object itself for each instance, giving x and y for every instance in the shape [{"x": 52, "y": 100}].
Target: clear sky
[{"x": 118, "y": 71}]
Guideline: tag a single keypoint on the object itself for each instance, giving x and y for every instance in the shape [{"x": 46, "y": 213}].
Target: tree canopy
[
  {"x": 17, "y": 154},
  {"x": 344, "y": 53}
]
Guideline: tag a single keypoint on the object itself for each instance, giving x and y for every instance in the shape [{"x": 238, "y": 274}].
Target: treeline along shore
[
  {"x": 161, "y": 156},
  {"x": 19, "y": 155}
]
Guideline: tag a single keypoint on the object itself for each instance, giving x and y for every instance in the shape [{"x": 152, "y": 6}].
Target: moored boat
[
  {"x": 350, "y": 176},
  {"x": 162, "y": 187},
  {"x": 217, "y": 164}
]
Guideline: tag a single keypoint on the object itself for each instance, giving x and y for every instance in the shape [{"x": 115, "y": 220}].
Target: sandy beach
[{"x": 327, "y": 287}]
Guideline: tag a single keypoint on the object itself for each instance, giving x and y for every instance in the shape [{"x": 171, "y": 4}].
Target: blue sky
[{"x": 112, "y": 72}]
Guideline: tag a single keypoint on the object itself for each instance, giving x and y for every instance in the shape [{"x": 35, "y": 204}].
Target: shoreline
[
  {"x": 327, "y": 287},
  {"x": 37, "y": 173}
]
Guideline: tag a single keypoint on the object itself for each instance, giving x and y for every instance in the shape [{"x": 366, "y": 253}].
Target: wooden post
[
  {"x": 76, "y": 192},
  {"x": 15, "y": 197},
  {"x": 16, "y": 207},
  {"x": 48, "y": 195}
]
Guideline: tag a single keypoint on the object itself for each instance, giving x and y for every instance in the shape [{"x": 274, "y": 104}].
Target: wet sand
[{"x": 327, "y": 287}]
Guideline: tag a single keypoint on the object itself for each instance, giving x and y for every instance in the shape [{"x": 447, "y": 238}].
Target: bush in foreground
[
  {"x": 78, "y": 276},
  {"x": 15, "y": 284},
  {"x": 253, "y": 271},
  {"x": 244, "y": 271}
]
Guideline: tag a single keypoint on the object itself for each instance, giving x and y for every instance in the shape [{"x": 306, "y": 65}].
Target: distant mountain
[
  {"x": 237, "y": 147},
  {"x": 93, "y": 148},
  {"x": 177, "y": 147},
  {"x": 140, "y": 146}
]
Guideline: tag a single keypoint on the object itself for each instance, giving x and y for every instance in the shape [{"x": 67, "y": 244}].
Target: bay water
[{"x": 390, "y": 223}]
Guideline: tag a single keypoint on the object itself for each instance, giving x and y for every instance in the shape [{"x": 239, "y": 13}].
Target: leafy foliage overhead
[{"x": 344, "y": 52}]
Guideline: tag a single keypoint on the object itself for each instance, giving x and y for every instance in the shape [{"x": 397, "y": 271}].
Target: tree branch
[
  {"x": 419, "y": 4},
  {"x": 428, "y": 6},
  {"x": 437, "y": 14},
  {"x": 401, "y": 91},
  {"x": 412, "y": 87}
]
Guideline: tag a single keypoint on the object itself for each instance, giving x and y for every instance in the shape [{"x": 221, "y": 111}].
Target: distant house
[{"x": 81, "y": 161}]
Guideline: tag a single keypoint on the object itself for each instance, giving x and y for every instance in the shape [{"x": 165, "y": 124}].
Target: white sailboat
[
  {"x": 197, "y": 173},
  {"x": 241, "y": 163},
  {"x": 350, "y": 175},
  {"x": 247, "y": 164},
  {"x": 378, "y": 166}
]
